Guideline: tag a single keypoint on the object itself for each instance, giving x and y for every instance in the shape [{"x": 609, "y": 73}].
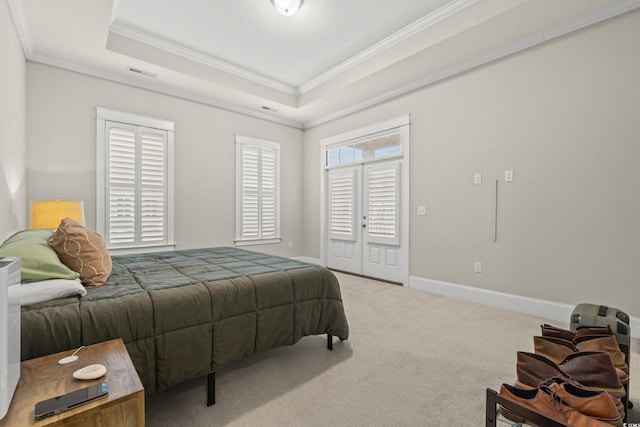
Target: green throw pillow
[{"x": 39, "y": 261}]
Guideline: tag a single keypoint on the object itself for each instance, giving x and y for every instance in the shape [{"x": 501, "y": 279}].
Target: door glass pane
[
  {"x": 364, "y": 149},
  {"x": 346, "y": 154},
  {"x": 387, "y": 150},
  {"x": 333, "y": 156}
]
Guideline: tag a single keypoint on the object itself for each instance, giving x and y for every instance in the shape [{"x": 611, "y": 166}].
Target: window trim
[
  {"x": 242, "y": 140},
  {"x": 104, "y": 115}
]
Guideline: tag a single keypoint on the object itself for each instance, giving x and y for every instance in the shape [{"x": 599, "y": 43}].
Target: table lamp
[{"x": 47, "y": 214}]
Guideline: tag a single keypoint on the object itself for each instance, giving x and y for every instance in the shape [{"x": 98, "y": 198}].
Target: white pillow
[{"x": 45, "y": 290}]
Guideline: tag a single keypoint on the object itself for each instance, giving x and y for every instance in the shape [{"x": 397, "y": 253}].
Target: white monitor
[{"x": 9, "y": 330}]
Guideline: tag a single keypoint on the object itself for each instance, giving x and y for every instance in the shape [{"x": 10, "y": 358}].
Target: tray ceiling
[{"x": 332, "y": 58}]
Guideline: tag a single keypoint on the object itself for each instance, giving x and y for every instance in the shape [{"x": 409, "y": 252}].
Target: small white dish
[
  {"x": 90, "y": 372},
  {"x": 67, "y": 360},
  {"x": 70, "y": 359}
]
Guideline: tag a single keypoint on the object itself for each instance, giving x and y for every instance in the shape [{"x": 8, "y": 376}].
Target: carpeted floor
[{"x": 412, "y": 359}]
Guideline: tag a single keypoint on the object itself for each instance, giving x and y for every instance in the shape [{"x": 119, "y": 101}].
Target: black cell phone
[{"x": 58, "y": 404}]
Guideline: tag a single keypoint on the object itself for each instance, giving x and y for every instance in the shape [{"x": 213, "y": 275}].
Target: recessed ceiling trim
[
  {"x": 399, "y": 36},
  {"x": 485, "y": 58},
  {"x": 412, "y": 29},
  {"x": 618, "y": 8},
  {"x": 193, "y": 55},
  {"x": 155, "y": 87}
]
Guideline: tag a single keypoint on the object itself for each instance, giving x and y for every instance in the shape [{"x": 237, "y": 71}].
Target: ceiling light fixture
[{"x": 287, "y": 7}]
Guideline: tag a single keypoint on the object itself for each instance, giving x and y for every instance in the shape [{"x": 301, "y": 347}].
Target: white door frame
[{"x": 396, "y": 123}]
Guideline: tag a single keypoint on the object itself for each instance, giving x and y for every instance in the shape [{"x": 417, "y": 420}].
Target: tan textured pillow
[{"x": 83, "y": 251}]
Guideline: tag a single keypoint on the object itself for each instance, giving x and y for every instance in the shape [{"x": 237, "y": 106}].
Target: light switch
[
  {"x": 508, "y": 176},
  {"x": 422, "y": 210},
  {"x": 477, "y": 178}
]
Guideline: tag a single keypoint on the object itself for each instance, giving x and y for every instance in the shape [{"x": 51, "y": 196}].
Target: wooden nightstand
[{"x": 43, "y": 378}]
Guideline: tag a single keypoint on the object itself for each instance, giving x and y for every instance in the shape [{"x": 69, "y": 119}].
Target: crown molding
[
  {"x": 477, "y": 61},
  {"x": 619, "y": 8},
  {"x": 15, "y": 11},
  {"x": 202, "y": 58},
  {"x": 410, "y": 30},
  {"x": 155, "y": 87},
  {"x": 398, "y": 37}
]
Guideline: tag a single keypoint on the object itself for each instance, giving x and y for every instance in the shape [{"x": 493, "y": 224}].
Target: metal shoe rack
[{"x": 531, "y": 415}]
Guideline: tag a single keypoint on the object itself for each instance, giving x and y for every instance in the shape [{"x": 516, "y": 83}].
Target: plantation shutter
[
  {"x": 250, "y": 192},
  {"x": 268, "y": 193},
  {"x": 136, "y": 191},
  {"x": 153, "y": 188},
  {"x": 342, "y": 193},
  {"x": 121, "y": 191},
  {"x": 383, "y": 203},
  {"x": 259, "y": 198}
]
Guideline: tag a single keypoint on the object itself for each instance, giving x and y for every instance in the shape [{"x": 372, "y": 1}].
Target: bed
[{"x": 185, "y": 314}]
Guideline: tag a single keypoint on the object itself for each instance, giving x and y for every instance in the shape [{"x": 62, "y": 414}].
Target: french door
[{"x": 365, "y": 220}]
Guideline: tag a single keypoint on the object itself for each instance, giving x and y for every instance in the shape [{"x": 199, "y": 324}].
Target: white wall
[
  {"x": 62, "y": 150},
  {"x": 564, "y": 117},
  {"x": 12, "y": 129}
]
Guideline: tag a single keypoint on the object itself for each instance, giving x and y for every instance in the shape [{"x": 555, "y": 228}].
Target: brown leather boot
[
  {"x": 593, "y": 330},
  {"x": 565, "y": 334},
  {"x": 553, "y": 331},
  {"x": 608, "y": 344},
  {"x": 532, "y": 369},
  {"x": 594, "y": 370},
  {"x": 554, "y": 349},
  {"x": 543, "y": 401},
  {"x": 596, "y": 404}
]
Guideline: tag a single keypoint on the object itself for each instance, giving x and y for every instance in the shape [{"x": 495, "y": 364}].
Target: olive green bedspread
[{"x": 184, "y": 314}]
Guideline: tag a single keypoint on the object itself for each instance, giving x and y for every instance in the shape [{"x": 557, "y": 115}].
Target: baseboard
[{"x": 536, "y": 307}]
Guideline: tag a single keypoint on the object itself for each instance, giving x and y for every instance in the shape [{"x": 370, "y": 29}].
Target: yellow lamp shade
[{"x": 47, "y": 214}]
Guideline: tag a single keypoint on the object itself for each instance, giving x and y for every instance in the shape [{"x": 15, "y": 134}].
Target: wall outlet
[
  {"x": 477, "y": 267},
  {"x": 422, "y": 210},
  {"x": 508, "y": 176}
]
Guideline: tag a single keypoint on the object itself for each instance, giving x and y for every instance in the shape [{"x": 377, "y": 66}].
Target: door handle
[{"x": 364, "y": 225}]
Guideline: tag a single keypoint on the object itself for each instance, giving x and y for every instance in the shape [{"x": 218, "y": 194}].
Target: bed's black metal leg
[
  {"x": 211, "y": 388},
  {"x": 330, "y": 341}
]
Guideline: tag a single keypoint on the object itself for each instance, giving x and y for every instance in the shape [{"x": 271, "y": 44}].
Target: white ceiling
[{"x": 332, "y": 58}]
